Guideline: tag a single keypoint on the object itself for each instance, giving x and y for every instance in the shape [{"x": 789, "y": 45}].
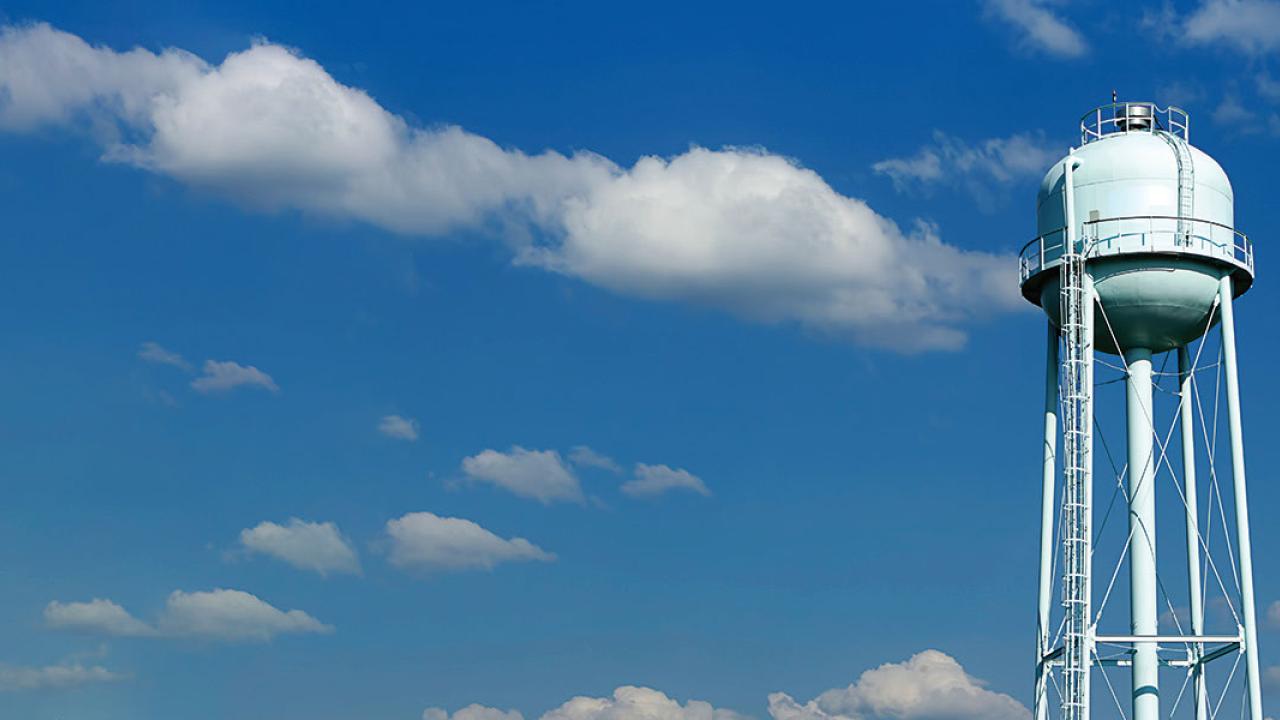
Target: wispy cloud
[
  {"x": 225, "y": 615},
  {"x": 223, "y": 375},
  {"x": 398, "y": 427},
  {"x": 426, "y": 541},
  {"x": 1038, "y": 27},
  {"x": 540, "y": 475},
  {"x": 153, "y": 352},
  {"x": 653, "y": 480},
  {"x": 1250, "y": 26},
  {"x": 314, "y": 546},
  {"x": 1231, "y": 112},
  {"x": 583, "y": 456},
  {"x": 978, "y": 168},
  {"x": 744, "y": 231},
  {"x": 16, "y": 679}
]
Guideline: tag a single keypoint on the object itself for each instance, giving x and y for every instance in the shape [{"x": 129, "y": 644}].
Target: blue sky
[{"x": 366, "y": 361}]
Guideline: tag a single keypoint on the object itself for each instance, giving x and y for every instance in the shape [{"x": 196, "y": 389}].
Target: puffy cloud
[
  {"x": 1038, "y": 27},
  {"x": 583, "y": 456},
  {"x": 976, "y": 168},
  {"x": 15, "y": 679},
  {"x": 153, "y": 352},
  {"x": 98, "y": 616},
  {"x": 221, "y": 376},
  {"x": 535, "y": 474},
  {"x": 651, "y": 480},
  {"x": 929, "y": 686},
  {"x": 400, "y": 428},
  {"x": 1251, "y": 26},
  {"x": 740, "y": 230},
  {"x": 758, "y": 236},
  {"x": 53, "y": 77},
  {"x": 1273, "y": 614},
  {"x": 471, "y": 712},
  {"x": 426, "y": 541},
  {"x": 638, "y": 703},
  {"x": 229, "y": 615},
  {"x": 1272, "y": 677},
  {"x": 314, "y": 546}
]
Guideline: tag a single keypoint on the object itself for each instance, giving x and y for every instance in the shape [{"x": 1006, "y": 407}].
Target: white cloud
[
  {"x": 758, "y": 236},
  {"x": 98, "y": 616},
  {"x": 1273, "y": 614},
  {"x": 221, "y": 376},
  {"x": 153, "y": 352},
  {"x": 1251, "y": 26},
  {"x": 229, "y": 615},
  {"x": 977, "y": 168},
  {"x": 651, "y": 480},
  {"x": 232, "y": 615},
  {"x": 929, "y": 686},
  {"x": 427, "y": 541},
  {"x": 471, "y": 712},
  {"x": 536, "y": 474},
  {"x": 400, "y": 428},
  {"x": 314, "y": 546},
  {"x": 1038, "y": 27},
  {"x": 1272, "y": 678},
  {"x": 583, "y": 456},
  {"x": 638, "y": 703},
  {"x": 15, "y": 679},
  {"x": 739, "y": 230}
]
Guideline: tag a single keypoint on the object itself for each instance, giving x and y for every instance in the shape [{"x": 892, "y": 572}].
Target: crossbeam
[{"x": 1129, "y": 639}]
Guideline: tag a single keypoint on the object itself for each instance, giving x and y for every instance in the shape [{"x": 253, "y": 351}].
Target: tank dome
[{"x": 1156, "y": 219}]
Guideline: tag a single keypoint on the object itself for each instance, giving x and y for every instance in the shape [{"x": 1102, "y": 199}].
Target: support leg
[
  {"x": 1048, "y": 513},
  {"x": 1249, "y": 611},
  {"x": 1143, "y": 609},
  {"x": 1187, "y": 422}
]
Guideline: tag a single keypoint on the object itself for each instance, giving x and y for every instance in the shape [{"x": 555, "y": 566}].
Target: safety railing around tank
[
  {"x": 1119, "y": 117},
  {"x": 1141, "y": 234}
]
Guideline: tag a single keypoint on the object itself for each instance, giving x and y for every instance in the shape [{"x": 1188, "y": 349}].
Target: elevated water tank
[{"x": 1154, "y": 215}]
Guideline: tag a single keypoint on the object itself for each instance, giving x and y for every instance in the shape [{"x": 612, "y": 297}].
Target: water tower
[{"x": 1137, "y": 258}]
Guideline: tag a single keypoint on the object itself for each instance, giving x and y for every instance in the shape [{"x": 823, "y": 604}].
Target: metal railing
[
  {"x": 1120, "y": 117},
  {"x": 1140, "y": 234}
]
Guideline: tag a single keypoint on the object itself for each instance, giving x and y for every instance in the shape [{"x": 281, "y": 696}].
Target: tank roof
[{"x": 1125, "y": 117}]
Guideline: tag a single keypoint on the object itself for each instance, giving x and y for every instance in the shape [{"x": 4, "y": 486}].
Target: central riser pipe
[{"x": 1143, "y": 615}]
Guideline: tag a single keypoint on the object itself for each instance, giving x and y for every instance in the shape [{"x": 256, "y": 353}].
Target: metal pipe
[
  {"x": 1249, "y": 610},
  {"x": 1047, "y": 515},
  {"x": 1143, "y": 608},
  {"x": 1190, "y": 493}
]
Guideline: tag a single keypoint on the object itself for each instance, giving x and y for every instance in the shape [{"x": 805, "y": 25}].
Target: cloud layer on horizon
[
  {"x": 931, "y": 685},
  {"x": 741, "y": 230}
]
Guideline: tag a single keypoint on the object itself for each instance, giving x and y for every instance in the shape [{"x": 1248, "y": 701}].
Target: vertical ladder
[
  {"x": 1186, "y": 186},
  {"x": 1077, "y": 428}
]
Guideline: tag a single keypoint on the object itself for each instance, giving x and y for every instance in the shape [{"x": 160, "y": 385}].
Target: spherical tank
[{"x": 1156, "y": 218}]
